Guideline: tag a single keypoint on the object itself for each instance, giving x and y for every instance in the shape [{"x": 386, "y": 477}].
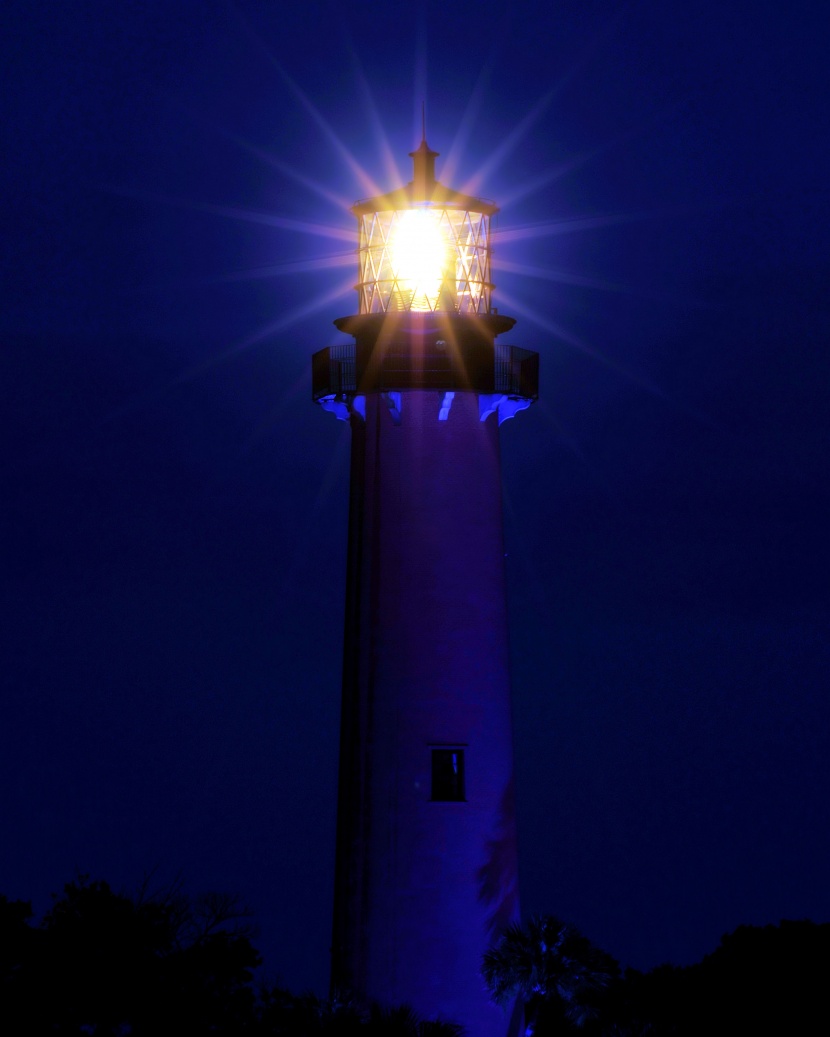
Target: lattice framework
[{"x": 465, "y": 286}]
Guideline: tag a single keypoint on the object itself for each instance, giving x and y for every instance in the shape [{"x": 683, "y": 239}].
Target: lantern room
[
  {"x": 424, "y": 247},
  {"x": 424, "y": 319}
]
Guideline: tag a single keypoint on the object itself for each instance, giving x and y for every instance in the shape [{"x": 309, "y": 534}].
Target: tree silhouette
[
  {"x": 402, "y": 1021},
  {"x": 760, "y": 979},
  {"x": 285, "y": 1015},
  {"x": 106, "y": 964},
  {"x": 557, "y": 972},
  {"x": 161, "y": 964}
]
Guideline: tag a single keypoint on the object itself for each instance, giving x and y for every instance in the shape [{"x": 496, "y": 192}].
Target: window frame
[{"x": 446, "y": 786}]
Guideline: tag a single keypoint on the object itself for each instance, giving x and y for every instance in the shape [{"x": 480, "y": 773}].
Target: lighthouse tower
[{"x": 426, "y": 845}]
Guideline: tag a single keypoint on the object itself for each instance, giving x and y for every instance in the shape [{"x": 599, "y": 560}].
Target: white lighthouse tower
[{"x": 426, "y": 843}]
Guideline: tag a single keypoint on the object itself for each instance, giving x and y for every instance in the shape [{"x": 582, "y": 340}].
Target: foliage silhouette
[
  {"x": 106, "y": 964},
  {"x": 109, "y": 965},
  {"x": 765, "y": 979},
  {"x": 553, "y": 968}
]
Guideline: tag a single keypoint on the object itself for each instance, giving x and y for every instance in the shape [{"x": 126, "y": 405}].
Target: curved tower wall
[{"x": 423, "y": 885}]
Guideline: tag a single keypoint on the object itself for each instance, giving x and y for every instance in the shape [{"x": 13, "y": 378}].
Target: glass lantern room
[{"x": 424, "y": 247}]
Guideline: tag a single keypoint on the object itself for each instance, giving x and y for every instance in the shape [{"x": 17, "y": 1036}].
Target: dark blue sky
[{"x": 174, "y": 507}]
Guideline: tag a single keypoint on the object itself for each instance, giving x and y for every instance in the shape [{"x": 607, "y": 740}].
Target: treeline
[
  {"x": 770, "y": 979},
  {"x": 162, "y": 963}
]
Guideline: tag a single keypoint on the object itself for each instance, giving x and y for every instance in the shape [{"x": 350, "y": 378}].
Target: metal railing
[
  {"x": 516, "y": 371},
  {"x": 333, "y": 371}
]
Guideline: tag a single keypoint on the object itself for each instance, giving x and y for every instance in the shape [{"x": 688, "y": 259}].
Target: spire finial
[{"x": 423, "y": 161}]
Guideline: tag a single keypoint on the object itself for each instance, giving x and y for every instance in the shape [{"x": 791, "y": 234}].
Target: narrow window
[{"x": 448, "y": 775}]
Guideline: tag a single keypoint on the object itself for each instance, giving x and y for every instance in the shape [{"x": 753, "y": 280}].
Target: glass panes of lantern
[{"x": 424, "y": 258}]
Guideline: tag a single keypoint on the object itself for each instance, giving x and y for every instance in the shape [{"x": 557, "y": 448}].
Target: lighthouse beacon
[{"x": 426, "y": 843}]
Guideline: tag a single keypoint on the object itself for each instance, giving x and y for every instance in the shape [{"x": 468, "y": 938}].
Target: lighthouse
[{"x": 426, "y": 860}]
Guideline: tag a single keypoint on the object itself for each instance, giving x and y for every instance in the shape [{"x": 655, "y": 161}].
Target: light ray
[
  {"x": 190, "y": 374},
  {"x": 337, "y": 200},
  {"x": 263, "y": 273},
  {"x": 579, "y": 223},
  {"x": 513, "y": 138},
  {"x": 244, "y": 215},
  {"x": 468, "y": 120},
  {"x": 389, "y": 161},
  {"x": 285, "y": 321},
  {"x": 578, "y": 161},
  {"x": 629, "y": 374},
  {"x": 366, "y": 181},
  {"x": 584, "y": 347},
  {"x": 420, "y": 85},
  {"x": 282, "y": 222},
  {"x": 475, "y": 101},
  {"x": 301, "y": 266},
  {"x": 569, "y": 225},
  {"x": 509, "y": 143},
  {"x": 558, "y": 172},
  {"x": 581, "y": 281},
  {"x": 562, "y": 277},
  {"x": 266, "y": 157}
]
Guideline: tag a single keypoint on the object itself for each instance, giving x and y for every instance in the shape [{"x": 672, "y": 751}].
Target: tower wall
[{"x": 423, "y": 886}]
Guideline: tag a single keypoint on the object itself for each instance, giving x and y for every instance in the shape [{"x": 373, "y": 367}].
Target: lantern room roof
[{"x": 423, "y": 188}]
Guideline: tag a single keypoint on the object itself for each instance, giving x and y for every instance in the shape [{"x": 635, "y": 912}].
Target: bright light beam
[
  {"x": 459, "y": 143},
  {"x": 265, "y": 219},
  {"x": 569, "y": 226},
  {"x": 563, "y": 277},
  {"x": 629, "y": 375},
  {"x": 509, "y": 143},
  {"x": 387, "y": 155},
  {"x": 300, "y": 266},
  {"x": 419, "y": 254},
  {"x": 339, "y": 201},
  {"x": 363, "y": 177},
  {"x": 138, "y": 402}
]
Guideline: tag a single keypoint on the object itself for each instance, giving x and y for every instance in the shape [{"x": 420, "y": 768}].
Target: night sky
[{"x": 176, "y": 243}]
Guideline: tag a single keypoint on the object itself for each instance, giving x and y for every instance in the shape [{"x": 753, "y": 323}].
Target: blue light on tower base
[{"x": 426, "y": 869}]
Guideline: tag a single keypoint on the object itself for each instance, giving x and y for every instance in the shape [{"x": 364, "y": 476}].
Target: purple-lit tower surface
[{"x": 426, "y": 844}]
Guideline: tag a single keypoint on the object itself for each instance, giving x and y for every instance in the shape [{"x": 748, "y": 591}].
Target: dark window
[{"x": 448, "y": 775}]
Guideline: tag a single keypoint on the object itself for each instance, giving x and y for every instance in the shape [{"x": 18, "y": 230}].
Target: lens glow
[{"x": 420, "y": 255}]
